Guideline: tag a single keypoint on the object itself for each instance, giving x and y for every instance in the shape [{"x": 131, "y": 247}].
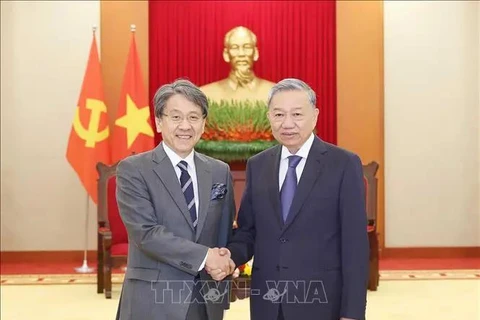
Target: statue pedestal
[
  {"x": 238, "y": 175},
  {"x": 240, "y": 288},
  {"x": 237, "y": 165}
]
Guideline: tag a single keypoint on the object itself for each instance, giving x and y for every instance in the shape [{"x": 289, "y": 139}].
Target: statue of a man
[{"x": 241, "y": 52}]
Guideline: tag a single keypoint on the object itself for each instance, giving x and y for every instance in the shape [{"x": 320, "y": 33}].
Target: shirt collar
[
  {"x": 175, "y": 158},
  {"x": 302, "y": 152}
]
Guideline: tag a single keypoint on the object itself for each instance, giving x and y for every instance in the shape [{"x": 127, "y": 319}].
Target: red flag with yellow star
[
  {"x": 133, "y": 132},
  {"x": 88, "y": 142}
]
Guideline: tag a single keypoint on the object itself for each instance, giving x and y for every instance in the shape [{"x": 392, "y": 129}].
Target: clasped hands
[{"x": 219, "y": 264}]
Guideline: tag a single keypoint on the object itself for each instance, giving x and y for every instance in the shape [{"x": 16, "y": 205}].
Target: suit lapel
[
  {"x": 167, "y": 175},
  {"x": 273, "y": 186},
  {"x": 311, "y": 172},
  {"x": 204, "y": 179}
]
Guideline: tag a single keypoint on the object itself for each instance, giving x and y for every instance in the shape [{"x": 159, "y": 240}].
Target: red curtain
[{"x": 296, "y": 39}]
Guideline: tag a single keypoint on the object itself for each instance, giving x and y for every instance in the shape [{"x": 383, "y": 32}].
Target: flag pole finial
[
  {"x": 94, "y": 28},
  {"x": 133, "y": 28}
]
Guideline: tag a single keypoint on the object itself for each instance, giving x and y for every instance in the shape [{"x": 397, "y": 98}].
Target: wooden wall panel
[
  {"x": 360, "y": 87},
  {"x": 115, "y": 20}
]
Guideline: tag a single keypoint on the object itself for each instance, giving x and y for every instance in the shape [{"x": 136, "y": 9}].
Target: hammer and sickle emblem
[{"x": 91, "y": 135}]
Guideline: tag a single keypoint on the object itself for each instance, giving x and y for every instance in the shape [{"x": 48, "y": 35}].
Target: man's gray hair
[
  {"x": 292, "y": 84},
  {"x": 182, "y": 87}
]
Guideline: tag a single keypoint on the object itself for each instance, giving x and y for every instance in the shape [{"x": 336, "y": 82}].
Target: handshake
[{"x": 219, "y": 264}]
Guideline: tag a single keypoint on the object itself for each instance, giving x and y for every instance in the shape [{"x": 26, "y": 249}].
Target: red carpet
[{"x": 385, "y": 264}]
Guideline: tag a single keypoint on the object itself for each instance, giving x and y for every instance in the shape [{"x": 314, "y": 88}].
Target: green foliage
[
  {"x": 231, "y": 115},
  {"x": 232, "y": 150},
  {"x": 236, "y": 130}
]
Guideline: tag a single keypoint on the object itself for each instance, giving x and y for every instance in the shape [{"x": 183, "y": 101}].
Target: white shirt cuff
[{"x": 203, "y": 263}]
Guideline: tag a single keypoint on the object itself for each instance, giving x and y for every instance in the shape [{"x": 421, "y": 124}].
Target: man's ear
[
  {"x": 269, "y": 116},
  {"x": 158, "y": 124},
  {"x": 316, "y": 113},
  {"x": 255, "y": 54},
  {"x": 226, "y": 56}
]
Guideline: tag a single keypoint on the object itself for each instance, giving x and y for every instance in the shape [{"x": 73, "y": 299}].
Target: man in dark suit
[
  {"x": 176, "y": 204},
  {"x": 303, "y": 217}
]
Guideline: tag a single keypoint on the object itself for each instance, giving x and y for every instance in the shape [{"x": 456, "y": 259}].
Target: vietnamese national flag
[
  {"x": 89, "y": 136},
  {"x": 133, "y": 132}
]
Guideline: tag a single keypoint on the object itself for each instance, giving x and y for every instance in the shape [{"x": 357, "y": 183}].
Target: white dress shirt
[
  {"x": 175, "y": 159},
  {"x": 302, "y": 152}
]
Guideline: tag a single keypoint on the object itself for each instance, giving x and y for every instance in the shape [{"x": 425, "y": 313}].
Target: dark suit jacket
[{"x": 318, "y": 258}]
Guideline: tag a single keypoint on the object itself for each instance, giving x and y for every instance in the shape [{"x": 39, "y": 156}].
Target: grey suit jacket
[{"x": 165, "y": 253}]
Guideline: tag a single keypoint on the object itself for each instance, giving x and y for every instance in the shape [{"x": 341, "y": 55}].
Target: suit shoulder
[
  {"x": 138, "y": 160},
  {"x": 267, "y": 152},
  {"x": 339, "y": 152},
  {"x": 209, "y": 87},
  {"x": 212, "y": 161},
  {"x": 264, "y": 155}
]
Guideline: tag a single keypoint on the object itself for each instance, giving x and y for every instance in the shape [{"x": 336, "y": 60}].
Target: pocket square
[{"x": 218, "y": 191}]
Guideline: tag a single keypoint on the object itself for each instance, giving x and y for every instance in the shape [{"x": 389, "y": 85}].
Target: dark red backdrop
[{"x": 295, "y": 39}]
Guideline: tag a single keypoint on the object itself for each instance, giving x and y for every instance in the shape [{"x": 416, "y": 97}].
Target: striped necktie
[{"x": 187, "y": 187}]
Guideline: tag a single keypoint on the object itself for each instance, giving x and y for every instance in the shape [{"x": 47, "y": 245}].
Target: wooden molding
[
  {"x": 46, "y": 256},
  {"x": 387, "y": 253},
  {"x": 431, "y": 253}
]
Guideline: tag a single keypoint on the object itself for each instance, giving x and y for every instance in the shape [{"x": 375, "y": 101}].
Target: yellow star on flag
[{"x": 135, "y": 121}]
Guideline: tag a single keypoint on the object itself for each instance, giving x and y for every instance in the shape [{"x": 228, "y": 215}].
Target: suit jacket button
[
  {"x": 283, "y": 240},
  {"x": 186, "y": 265}
]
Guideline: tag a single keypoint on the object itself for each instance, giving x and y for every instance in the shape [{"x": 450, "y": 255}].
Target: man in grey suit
[{"x": 178, "y": 208}]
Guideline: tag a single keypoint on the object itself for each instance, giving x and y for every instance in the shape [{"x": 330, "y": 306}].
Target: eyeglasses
[{"x": 178, "y": 118}]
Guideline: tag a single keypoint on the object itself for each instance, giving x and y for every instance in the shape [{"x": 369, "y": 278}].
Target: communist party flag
[
  {"x": 88, "y": 142},
  {"x": 133, "y": 132}
]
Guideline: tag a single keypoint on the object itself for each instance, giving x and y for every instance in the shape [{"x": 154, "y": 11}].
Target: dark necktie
[
  {"x": 187, "y": 187},
  {"x": 289, "y": 185}
]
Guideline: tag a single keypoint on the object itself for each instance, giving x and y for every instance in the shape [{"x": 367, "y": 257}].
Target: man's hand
[
  {"x": 346, "y": 319},
  {"x": 236, "y": 272},
  {"x": 224, "y": 252},
  {"x": 219, "y": 264}
]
